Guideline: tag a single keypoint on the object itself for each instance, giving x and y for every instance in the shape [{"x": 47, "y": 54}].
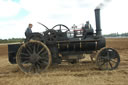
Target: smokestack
[{"x": 97, "y": 18}]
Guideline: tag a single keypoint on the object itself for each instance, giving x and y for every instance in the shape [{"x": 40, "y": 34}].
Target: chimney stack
[{"x": 97, "y": 18}]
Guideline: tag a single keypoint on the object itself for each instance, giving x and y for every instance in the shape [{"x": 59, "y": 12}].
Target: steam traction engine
[{"x": 40, "y": 50}]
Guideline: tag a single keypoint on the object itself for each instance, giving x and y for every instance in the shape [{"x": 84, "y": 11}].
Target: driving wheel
[{"x": 33, "y": 57}]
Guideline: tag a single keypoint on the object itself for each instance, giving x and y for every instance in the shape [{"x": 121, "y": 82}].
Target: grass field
[{"x": 67, "y": 74}]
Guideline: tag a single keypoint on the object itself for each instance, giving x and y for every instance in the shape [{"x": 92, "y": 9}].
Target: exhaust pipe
[{"x": 97, "y": 18}]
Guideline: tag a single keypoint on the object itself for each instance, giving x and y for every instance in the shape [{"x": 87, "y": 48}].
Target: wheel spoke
[
  {"x": 30, "y": 69},
  {"x": 102, "y": 64},
  {"x": 101, "y": 60},
  {"x": 38, "y": 67},
  {"x": 40, "y": 51},
  {"x": 41, "y": 64},
  {"x": 26, "y": 61},
  {"x": 28, "y": 51},
  {"x": 44, "y": 53},
  {"x": 113, "y": 61},
  {"x": 34, "y": 51},
  {"x": 45, "y": 62},
  {"x": 104, "y": 57},
  {"x": 110, "y": 64},
  {"x": 29, "y": 48},
  {"x": 108, "y": 54},
  {"x": 25, "y": 57},
  {"x": 33, "y": 68},
  {"x": 107, "y": 65},
  {"x": 44, "y": 58},
  {"x": 24, "y": 54},
  {"x": 37, "y": 48}
]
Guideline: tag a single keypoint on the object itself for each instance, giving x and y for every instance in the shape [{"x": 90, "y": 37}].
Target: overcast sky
[{"x": 15, "y": 15}]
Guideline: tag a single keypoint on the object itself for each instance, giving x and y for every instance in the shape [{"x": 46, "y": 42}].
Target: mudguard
[{"x": 12, "y": 50}]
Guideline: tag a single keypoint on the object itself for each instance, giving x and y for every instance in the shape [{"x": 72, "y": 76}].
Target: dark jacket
[{"x": 28, "y": 32}]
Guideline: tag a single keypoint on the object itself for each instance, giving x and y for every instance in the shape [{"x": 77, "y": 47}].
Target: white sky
[{"x": 15, "y": 15}]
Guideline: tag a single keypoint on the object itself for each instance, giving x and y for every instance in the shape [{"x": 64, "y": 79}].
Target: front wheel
[{"x": 108, "y": 59}]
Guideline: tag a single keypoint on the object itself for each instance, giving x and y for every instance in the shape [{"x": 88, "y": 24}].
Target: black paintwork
[{"x": 87, "y": 43}]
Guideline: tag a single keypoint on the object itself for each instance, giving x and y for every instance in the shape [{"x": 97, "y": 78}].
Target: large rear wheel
[{"x": 33, "y": 57}]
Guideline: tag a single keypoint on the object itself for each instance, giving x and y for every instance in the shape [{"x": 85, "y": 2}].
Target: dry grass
[{"x": 79, "y": 74}]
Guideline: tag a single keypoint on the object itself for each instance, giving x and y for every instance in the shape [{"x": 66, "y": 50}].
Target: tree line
[
  {"x": 11, "y": 40},
  {"x": 116, "y": 35}
]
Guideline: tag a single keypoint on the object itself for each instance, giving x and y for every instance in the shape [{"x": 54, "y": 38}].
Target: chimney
[{"x": 97, "y": 18}]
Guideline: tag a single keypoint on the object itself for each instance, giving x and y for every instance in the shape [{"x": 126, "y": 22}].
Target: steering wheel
[{"x": 60, "y": 27}]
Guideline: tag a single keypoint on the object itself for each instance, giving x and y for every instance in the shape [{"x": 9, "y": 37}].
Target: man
[
  {"x": 74, "y": 28},
  {"x": 87, "y": 25},
  {"x": 86, "y": 28},
  {"x": 28, "y": 30}
]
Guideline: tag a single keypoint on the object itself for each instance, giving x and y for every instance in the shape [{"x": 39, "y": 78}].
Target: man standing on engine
[
  {"x": 88, "y": 25},
  {"x": 86, "y": 28},
  {"x": 28, "y": 30}
]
